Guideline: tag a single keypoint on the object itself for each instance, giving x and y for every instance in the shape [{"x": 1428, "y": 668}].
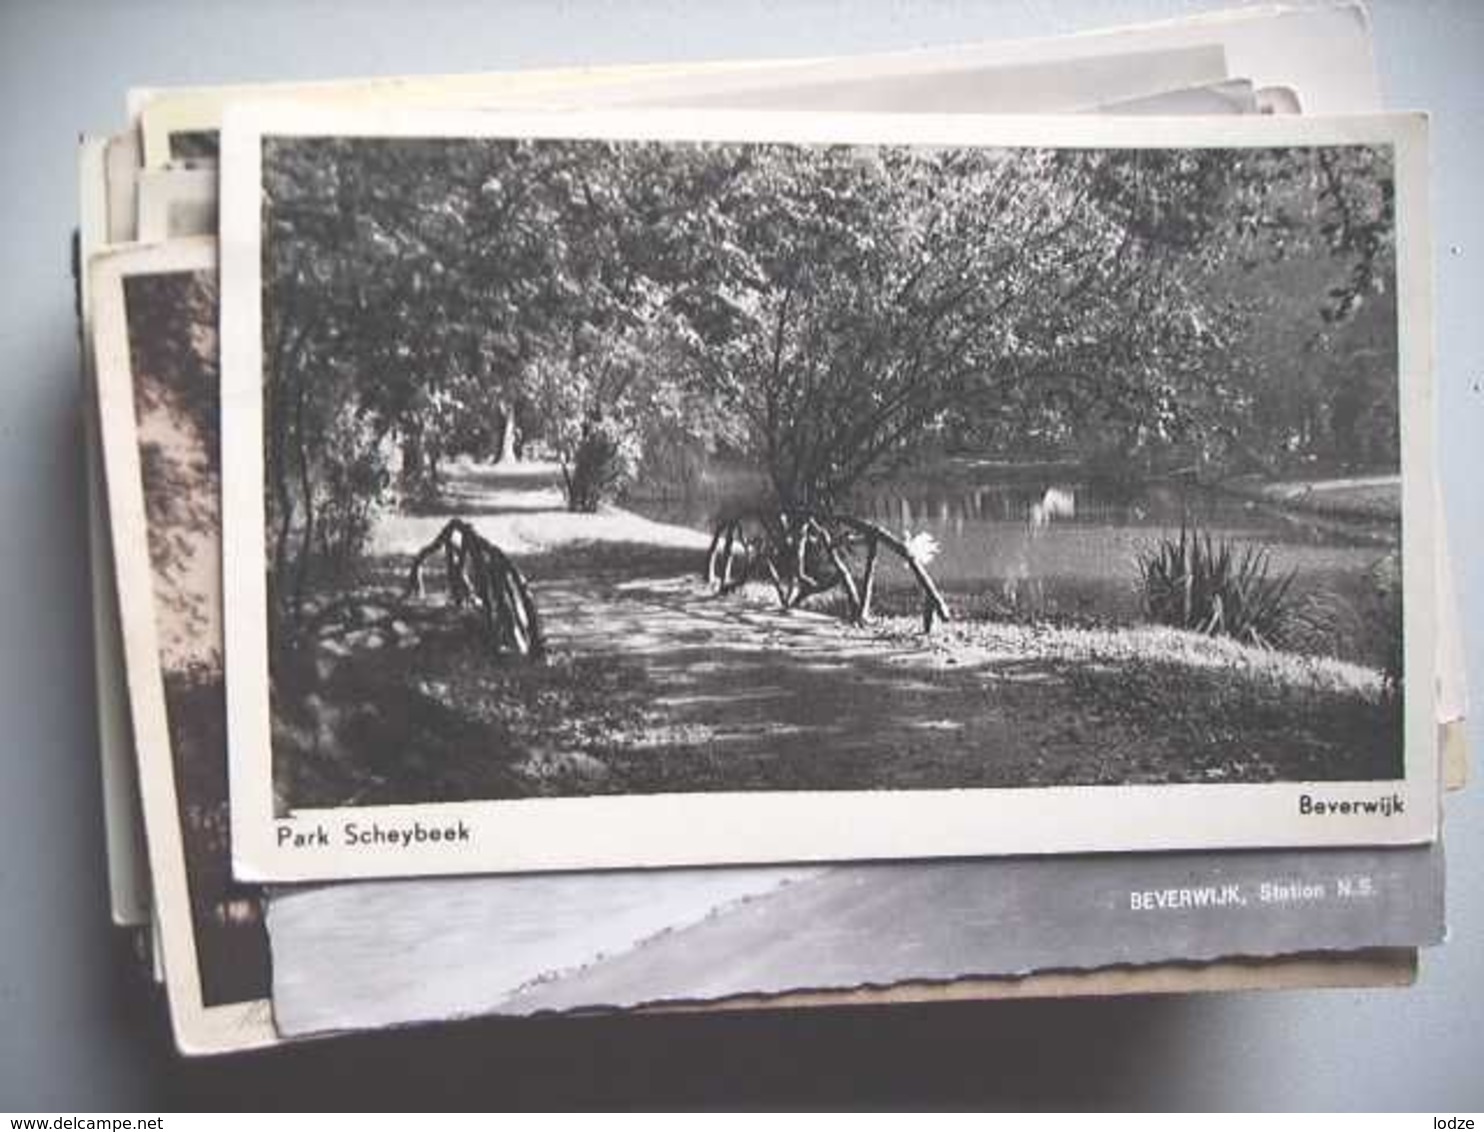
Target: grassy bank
[
  {"x": 1367, "y": 499},
  {"x": 654, "y": 685}
]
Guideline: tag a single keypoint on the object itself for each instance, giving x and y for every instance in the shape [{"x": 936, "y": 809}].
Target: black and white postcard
[
  {"x": 672, "y": 488},
  {"x": 572, "y": 941},
  {"x": 538, "y": 933},
  {"x": 157, "y": 377},
  {"x": 128, "y": 873}
]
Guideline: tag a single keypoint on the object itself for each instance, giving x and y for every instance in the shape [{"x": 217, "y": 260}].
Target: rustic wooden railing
[
  {"x": 479, "y": 572},
  {"x": 804, "y": 553}
]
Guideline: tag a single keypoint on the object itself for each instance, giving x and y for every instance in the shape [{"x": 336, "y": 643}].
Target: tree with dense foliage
[{"x": 830, "y": 312}]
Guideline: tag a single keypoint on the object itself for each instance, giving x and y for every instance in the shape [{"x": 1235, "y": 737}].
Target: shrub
[
  {"x": 1385, "y": 579},
  {"x": 351, "y": 490},
  {"x": 1195, "y": 582},
  {"x": 602, "y": 467},
  {"x": 1359, "y": 620}
]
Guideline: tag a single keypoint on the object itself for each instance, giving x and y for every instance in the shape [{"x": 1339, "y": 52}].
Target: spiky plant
[{"x": 1195, "y": 582}]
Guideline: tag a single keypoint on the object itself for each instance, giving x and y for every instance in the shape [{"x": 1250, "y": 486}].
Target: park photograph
[
  {"x": 157, "y": 388},
  {"x": 598, "y": 467}
]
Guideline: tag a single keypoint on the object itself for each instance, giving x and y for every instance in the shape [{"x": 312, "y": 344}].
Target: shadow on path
[{"x": 656, "y": 685}]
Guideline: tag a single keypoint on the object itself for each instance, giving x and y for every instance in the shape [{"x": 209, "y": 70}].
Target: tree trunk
[
  {"x": 412, "y": 458},
  {"x": 306, "y": 496},
  {"x": 508, "y": 453}
]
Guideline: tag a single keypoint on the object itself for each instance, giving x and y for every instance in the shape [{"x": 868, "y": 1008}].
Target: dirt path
[
  {"x": 712, "y": 693},
  {"x": 755, "y": 694},
  {"x": 1341, "y": 484},
  {"x": 766, "y": 695}
]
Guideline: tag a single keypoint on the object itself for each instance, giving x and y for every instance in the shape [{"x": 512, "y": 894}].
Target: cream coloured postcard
[
  {"x": 693, "y": 488},
  {"x": 157, "y": 396}
]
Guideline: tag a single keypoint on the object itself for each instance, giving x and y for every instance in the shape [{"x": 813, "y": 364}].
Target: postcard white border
[
  {"x": 672, "y": 829},
  {"x": 128, "y": 873},
  {"x": 1325, "y": 50},
  {"x": 198, "y": 1028},
  {"x": 162, "y": 190}
]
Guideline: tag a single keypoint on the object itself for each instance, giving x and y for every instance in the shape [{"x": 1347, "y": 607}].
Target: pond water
[{"x": 1069, "y": 547}]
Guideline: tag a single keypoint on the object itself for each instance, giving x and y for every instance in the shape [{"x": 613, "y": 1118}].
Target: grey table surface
[{"x": 77, "y": 1029}]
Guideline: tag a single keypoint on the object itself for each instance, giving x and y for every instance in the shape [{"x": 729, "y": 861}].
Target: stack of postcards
[{"x": 956, "y": 524}]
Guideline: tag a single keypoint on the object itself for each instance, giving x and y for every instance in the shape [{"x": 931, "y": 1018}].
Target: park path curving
[
  {"x": 733, "y": 693},
  {"x": 747, "y": 694}
]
